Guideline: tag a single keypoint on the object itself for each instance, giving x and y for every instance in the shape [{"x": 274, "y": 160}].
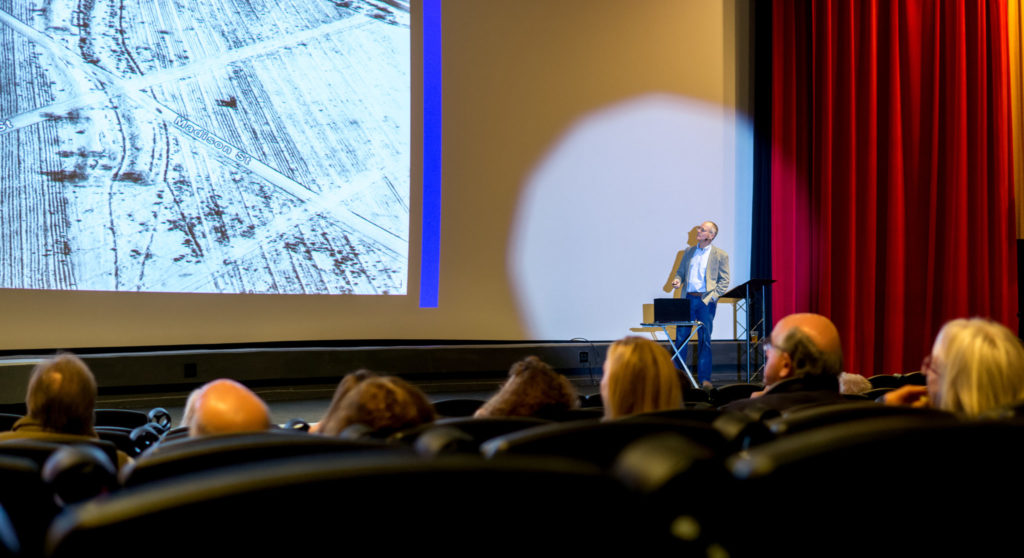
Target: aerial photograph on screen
[{"x": 205, "y": 146}]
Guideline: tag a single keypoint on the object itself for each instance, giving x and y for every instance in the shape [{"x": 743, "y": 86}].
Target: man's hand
[
  {"x": 908, "y": 396},
  {"x": 676, "y": 283}
]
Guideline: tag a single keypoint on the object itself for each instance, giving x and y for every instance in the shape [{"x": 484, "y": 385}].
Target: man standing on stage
[{"x": 704, "y": 272}]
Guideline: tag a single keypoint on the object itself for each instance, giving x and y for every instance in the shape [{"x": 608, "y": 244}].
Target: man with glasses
[
  {"x": 803, "y": 360},
  {"x": 704, "y": 273}
]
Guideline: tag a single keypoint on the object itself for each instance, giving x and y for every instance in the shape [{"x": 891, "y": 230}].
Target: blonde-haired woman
[
  {"x": 639, "y": 378},
  {"x": 976, "y": 365}
]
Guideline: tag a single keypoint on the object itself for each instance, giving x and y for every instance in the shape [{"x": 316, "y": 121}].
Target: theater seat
[
  {"x": 824, "y": 415},
  {"x": 592, "y": 400},
  {"x": 595, "y": 441},
  {"x": 39, "y": 447},
  {"x": 7, "y": 421},
  {"x": 914, "y": 378},
  {"x": 389, "y": 504},
  {"x": 949, "y": 485},
  {"x": 9, "y": 545},
  {"x": 457, "y": 407},
  {"x": 886, "y": 381},
  {"x": 876, "y": 394},
  {"x": 582, "y": 413},
  {"x": 682, "y": 483},
  {"x": 124, "y": 418},
  {"x": 193, "y": 455},
  {"x": 175, "y": 434},
  {"x": 701, "y": 414},
  {"x": 733, "y": 392},
  {"x": 438, "y": 437},
  {"x": 27, "y": 503},
  {"x": 80, "y": 472},
  {"x": 119, "y": 436},
  {"x": 695, "y": 395}
]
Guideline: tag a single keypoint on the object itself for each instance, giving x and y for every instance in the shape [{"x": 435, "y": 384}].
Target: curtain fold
[
  {"x": 1016, "y": 50},
  {"x": 892, "y": 170}
]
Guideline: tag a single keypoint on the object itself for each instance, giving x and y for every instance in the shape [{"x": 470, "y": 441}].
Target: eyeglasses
[{"x": 767, "y": 346}]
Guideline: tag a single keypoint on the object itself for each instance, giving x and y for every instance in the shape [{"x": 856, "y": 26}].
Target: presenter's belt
[{"x": 694, "y": 294}]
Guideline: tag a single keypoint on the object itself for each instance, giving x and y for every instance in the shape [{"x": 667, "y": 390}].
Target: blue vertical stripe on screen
[{"x": 431, "y": 250}]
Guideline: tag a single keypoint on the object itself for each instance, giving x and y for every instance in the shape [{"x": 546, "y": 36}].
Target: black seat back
[
  {"x": 194, "y": 455},
  {"x": 596, "y": 441},
  {"x": 39, "y": 447},
  {"x": 823, "y": 415},
  {"x": 457, "y": 407},
  {"x": 124, "y": 418},
  {"x": 28, "y": 503},
  {"x": 946, "y": 483},
  {"x": 7, "y": 421},
  {"x": 455, "y": 504}
]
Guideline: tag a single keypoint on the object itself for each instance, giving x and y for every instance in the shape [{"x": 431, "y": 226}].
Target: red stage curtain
[{"x": 892, "y": 188}]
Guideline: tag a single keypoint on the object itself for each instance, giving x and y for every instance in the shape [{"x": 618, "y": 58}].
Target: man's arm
[
  {"x": 681, "y": 271},
  {"x": 722, "y": 284}
]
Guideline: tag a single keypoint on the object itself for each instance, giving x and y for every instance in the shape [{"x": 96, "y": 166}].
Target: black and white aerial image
[{"x": 205, "y": 146}]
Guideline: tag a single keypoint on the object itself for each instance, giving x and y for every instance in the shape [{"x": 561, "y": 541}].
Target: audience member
[
  {"x": 383, "y": 403},
  {"x": 190, "y": 408},
  {"x": 853, "y": 384},
  {"x": 639, "y": 378},
  {"x": 225, "y": 407},
  {"x": 976, "y": 365},
  {"x": 803, "y": 361},
  {"x": 61, "y": 398},
  {"x": 533, "y": 389},
  {"x": 61, "y": 403},
  {"x": 344, "y": 387}
]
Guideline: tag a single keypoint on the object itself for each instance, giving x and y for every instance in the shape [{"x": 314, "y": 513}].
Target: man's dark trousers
[{"x": 704, "y": 313}]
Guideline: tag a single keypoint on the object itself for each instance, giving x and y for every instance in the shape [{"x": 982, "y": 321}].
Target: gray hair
[{"x": 808, "y": 358}]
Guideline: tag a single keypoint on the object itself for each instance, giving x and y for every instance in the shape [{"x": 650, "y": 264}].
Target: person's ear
[{"x": 786, "y": 369}]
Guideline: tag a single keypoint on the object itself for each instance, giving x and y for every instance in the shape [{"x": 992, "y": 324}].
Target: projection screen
[{"x": 235, "y": 171}]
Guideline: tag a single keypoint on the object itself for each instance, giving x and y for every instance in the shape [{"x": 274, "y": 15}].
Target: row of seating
[
  {"x": 653, "y": 475},
  {"x": 557, "y": 482},
  {"x": 674, "y": 478}
]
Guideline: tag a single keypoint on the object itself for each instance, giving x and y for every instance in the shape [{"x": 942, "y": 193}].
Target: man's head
[
  {"x": 802, "y": 345},
  {"x": 62, "y": 395},
  {"x": 706, "y": 232},
  {"x": 226, "y": 406}
]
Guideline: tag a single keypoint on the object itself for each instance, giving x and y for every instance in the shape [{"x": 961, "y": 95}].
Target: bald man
[
  {"x": 226, "y": 406},
  {"x": 803, "y": 360}
]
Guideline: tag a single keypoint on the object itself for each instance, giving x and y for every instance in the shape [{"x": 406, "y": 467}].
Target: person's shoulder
[
  {"x": 12, "y": 435},
  {"x": 44, "y": 436},
  {"x": 24, "y": 427}
]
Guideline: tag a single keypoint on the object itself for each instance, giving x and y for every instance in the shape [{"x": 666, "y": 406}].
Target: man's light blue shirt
[{"x": 696, "y": 276}]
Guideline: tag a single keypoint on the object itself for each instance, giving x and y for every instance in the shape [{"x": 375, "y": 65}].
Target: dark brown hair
[
  {"x": 533, "y": 388},
  {"x": 347, "y": 384},
  {"x": 385, "y": 404}
]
